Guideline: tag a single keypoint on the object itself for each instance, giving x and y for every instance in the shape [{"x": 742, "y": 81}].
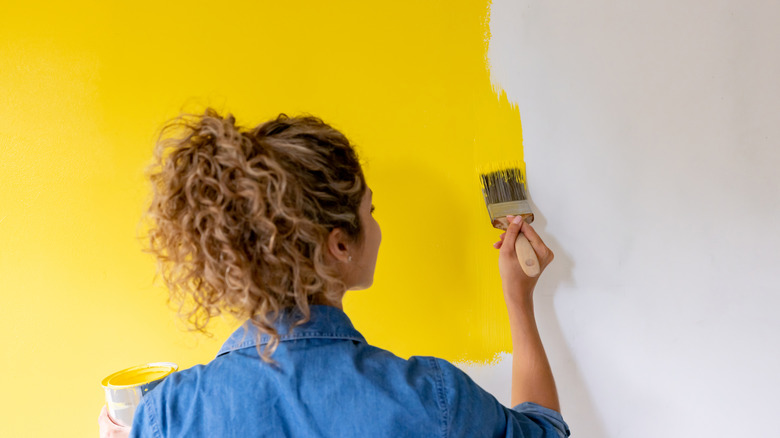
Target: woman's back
[{"x": 328, "y": 382}]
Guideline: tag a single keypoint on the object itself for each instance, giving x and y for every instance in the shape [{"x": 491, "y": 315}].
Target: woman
[{"x": 273, "y": 225}]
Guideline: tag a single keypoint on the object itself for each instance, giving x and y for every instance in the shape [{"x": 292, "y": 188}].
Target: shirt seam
[
  {"x": 155, "y": 427},
  {"x": 291, "y": 337},
  {"x": 439, "y": 375}
]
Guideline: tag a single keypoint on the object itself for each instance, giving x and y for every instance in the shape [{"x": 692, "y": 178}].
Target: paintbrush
[{"x": 503, "y": 187}]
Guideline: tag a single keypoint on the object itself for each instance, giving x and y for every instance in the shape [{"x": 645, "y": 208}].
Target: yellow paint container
[{"x": 124, "y": 389}]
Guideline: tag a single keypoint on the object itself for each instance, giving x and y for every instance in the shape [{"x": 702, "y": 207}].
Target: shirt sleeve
[{"x": 470, "y": 411}]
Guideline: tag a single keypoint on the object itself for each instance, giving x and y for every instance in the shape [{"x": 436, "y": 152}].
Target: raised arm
[{"x": 532, "y": 378}]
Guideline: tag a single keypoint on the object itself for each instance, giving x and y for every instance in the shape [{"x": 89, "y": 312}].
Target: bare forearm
[{"x": 532, "y": 378}]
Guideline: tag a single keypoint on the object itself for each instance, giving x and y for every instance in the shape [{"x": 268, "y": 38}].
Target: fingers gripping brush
[{"x": 505, "y": 194}]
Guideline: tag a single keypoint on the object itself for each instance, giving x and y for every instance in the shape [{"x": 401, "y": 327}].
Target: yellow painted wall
[{"x": 84, "y": 88}]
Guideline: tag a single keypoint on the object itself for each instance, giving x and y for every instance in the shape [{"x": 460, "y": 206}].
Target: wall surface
[
  {"x": 651, "y": 134},
  {"x": 85, "y": 86}
]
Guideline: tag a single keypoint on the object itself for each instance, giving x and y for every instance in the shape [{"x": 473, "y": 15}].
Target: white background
[{"x": 651, "y": 134}]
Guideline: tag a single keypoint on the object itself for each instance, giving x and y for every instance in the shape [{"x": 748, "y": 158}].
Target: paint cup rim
[{"x": 170, "y": 365}]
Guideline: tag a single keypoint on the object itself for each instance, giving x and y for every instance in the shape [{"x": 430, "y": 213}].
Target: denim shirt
[{"x": 329, "y": 382}]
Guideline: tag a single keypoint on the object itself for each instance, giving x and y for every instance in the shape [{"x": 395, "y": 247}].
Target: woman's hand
[
  {"x": 517, "y": 285},
  {"x": 109, "y": 429}
]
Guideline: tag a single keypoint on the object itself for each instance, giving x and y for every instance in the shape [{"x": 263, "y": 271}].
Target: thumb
[{"x": 515, "y": 223}]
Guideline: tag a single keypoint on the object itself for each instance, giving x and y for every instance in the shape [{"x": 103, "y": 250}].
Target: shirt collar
[{"x": 326, "y": 322}]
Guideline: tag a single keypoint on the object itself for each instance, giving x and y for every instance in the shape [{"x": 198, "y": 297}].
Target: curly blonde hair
[{"x": 239, "y": 219}]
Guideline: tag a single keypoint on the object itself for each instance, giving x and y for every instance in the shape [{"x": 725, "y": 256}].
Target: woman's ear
[{"x": 338, "y": 246}]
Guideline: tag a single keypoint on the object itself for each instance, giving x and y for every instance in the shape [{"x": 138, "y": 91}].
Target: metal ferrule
[{"x": 499, "y": 212}]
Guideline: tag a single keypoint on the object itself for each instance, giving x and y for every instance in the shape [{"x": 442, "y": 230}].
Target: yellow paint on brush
[{"x": 86, "y": 85}]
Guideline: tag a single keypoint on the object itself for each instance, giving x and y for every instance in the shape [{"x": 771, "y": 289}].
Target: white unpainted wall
[{"x": 652, "y": 144}]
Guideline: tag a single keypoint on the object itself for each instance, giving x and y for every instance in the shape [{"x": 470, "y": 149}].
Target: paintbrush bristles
[{"x": 503, "y": 185}]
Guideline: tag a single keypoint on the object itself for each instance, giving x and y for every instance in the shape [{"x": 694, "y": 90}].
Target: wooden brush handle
[{"x": 526, "y": 256}]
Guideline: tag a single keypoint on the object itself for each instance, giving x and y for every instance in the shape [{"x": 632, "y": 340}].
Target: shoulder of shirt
[{"x": 176, "y": 384}]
